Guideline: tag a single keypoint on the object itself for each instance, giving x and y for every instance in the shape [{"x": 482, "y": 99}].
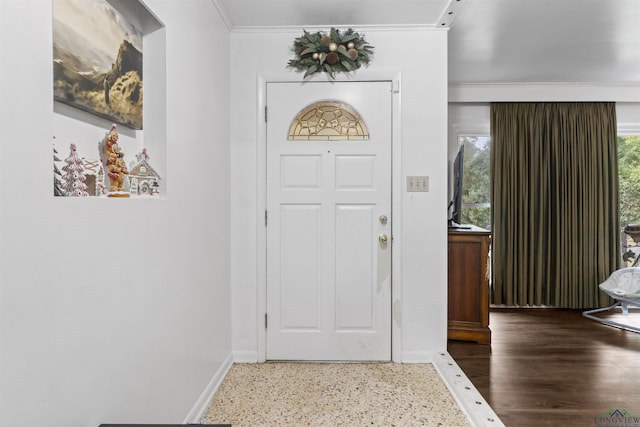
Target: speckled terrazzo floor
[{"x": 334, "y": 394}]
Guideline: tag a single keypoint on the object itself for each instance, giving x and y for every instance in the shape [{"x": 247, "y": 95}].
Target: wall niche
[{"x": 109, "y": 106}]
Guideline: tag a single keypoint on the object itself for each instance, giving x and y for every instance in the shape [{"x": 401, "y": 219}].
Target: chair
[{"x": 623, "y": 286}]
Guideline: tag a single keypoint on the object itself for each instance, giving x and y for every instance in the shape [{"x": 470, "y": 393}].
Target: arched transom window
[{"x": 328, "y": 121}]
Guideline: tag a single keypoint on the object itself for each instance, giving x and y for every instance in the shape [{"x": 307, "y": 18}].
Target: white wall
[
  {"x": 421, "y": 272},
  {"x": 628, "y": 117},
  {"x": 113, "y": 310}
]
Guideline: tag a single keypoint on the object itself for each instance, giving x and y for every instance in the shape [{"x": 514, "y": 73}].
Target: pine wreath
[{"x": 331, "y": 53}]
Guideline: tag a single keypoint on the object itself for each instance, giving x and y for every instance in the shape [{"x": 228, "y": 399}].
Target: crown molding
[
  {"x": 224, "y": 14},
  {"x": 313, "y": 28},
  {"x": 450, "y": 13},
  {"x": 545, "y": 92}
]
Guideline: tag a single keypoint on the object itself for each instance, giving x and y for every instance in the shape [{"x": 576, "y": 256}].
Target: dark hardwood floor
[{"x": 552, "y": 367}]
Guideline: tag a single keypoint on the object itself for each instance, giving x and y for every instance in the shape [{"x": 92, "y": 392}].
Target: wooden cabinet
[{"x": 468, "y": 265}]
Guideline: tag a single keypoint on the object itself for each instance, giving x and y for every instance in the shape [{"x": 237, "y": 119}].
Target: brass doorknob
[{"x": 383, "y": 239}]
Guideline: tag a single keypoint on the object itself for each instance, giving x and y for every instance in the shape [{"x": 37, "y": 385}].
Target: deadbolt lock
[{"x": 383, "y": 219}]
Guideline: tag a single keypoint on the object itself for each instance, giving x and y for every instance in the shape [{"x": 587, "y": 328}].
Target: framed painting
[{"x": 97, "y": 60}]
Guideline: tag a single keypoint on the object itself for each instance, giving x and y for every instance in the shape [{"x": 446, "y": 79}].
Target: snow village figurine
[
  {"x": 144, "y": 176},
  {"x": 115, "y": 164},
  {"x": 73, "y": 178}
]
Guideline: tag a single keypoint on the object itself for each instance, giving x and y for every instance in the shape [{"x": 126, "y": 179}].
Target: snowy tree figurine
[
  {"x": 57, "y": 175},
  {"x": 73, "y": 178}
]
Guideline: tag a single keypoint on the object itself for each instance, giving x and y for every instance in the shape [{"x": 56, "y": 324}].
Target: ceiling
[
  {"x": 546, "y": 41},
  {"x": 490, "y": 41}
]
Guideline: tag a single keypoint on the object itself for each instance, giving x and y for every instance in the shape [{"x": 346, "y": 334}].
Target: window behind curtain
[
  {"x": 476, "y": 206},
  {"x": 629, "y": 172}
]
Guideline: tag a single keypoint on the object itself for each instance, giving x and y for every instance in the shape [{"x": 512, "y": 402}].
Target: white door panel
[
  {"x": 300, "y": 281},
  {"x": 328, "y": 287},
  {"x": 355, "y": 288}
]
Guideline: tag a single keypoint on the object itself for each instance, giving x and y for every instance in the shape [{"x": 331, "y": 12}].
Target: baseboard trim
[
  {"x": 198, "y": 411},
  {"x": 417, "y": 356},
  {"x": 245, "y": 357},
  {"x": 468, "y": 398}
]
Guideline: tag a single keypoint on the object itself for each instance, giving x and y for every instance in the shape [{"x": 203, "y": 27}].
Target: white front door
[{"x": 329, "y": 212}]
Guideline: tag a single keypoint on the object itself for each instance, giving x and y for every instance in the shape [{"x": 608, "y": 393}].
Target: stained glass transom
[{"x": 328, "y": 121}]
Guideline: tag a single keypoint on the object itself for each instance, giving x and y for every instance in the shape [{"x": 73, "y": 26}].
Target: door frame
[{"x": 396, "y": 207}]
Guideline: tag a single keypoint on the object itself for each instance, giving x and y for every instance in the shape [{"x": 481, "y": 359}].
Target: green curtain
[{"x": 554, "y": 202}]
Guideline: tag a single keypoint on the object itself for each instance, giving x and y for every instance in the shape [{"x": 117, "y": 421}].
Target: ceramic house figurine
[
  {"x": 144, "y": 179},
  {"x": 115, "y": 164}
]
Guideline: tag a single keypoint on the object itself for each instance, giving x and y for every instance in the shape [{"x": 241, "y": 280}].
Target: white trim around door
[{"x": 396, "y": 283}]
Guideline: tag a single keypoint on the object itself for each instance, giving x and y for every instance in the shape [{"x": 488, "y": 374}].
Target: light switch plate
[{"x": 417, "y": 183}]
